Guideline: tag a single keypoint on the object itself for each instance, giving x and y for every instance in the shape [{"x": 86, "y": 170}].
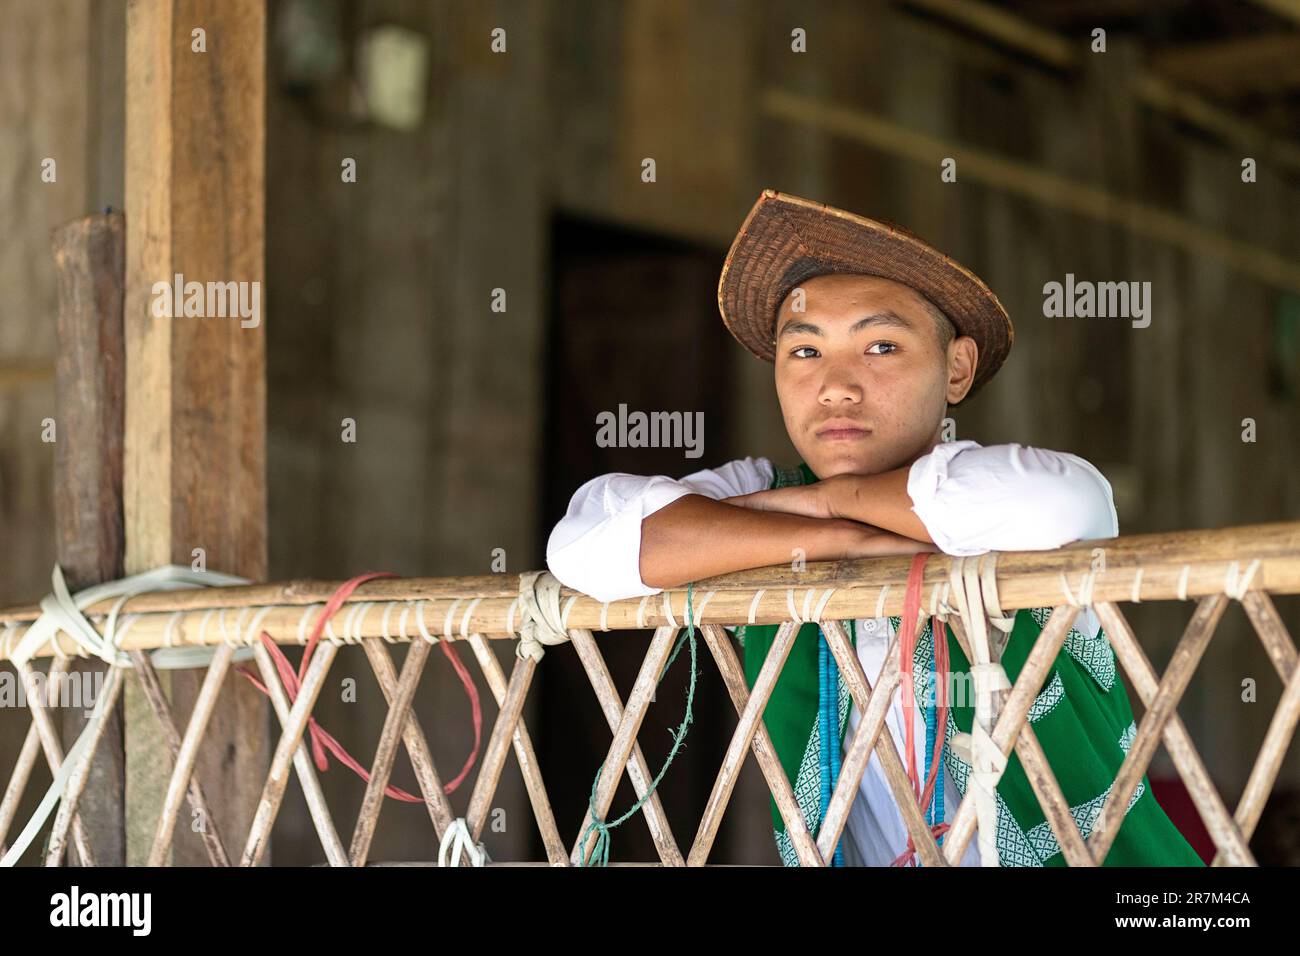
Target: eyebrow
[{"x": 887, "y": 318}]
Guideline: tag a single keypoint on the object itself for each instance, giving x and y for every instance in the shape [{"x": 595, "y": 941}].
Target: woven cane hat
[{"x": 786, "y": 240}]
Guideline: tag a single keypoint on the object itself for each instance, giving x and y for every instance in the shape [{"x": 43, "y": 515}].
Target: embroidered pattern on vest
[
  {"x": 1017, "y": 847},
  {"x": 1126, "y": 738},
  {"x": 1094, "y": 654},
  {"x": 1047, "y": 700},
  {"x": 1085, "y": 815}
]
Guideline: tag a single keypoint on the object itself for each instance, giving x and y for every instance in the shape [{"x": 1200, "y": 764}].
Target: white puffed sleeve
[
  {"x": 596, "y": 546},
  {"x": 1009, "y": 498}
]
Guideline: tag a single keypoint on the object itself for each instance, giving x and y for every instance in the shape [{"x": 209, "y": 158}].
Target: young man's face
[{"x": 863, "y": 381}]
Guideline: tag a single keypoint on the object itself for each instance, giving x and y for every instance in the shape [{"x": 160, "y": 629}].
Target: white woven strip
[
  {"x": 420, "y": 626},
  {"x": 668, "y": 610},
  {"x": 302, "y": 623},
  {"x": 789, "y": 603},
  {"x": 1236, "y": 589},
  {"x": 753, "y": 605},
  {"x": 808, "y": 596},
  {"x": 880, "y": 601},
  {"x": 697, "y": 614},
  {"x": 821, "y": 605},
  {"x": 464, "y": 621},
  {"x": 446, "y": 621}
]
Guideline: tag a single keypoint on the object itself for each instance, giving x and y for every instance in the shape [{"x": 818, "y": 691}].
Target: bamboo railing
[{"x": 1211, "y": 567}]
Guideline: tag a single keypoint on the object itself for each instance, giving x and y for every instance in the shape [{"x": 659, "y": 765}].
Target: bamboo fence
[{"x": 1210, "y": 567}]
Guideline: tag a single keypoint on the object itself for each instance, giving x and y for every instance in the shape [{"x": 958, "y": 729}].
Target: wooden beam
[
  {"x": 195, "y": 482},
  {"x": 1034, "y": 183},
  {"x": 1286, "y": 9},
  {"x": 1236, "y": 66},
  {"x": 1154, "y": 90},
  {"x": 88, "y": 260}
]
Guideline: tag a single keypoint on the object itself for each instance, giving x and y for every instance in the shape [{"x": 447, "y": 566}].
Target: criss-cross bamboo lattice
[{"x": 1210, "y": 567}]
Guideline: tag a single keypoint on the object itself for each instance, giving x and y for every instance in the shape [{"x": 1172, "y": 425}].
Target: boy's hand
[
  {"x": 880, "y": 500},
  {"x": 812, "y": 501}
]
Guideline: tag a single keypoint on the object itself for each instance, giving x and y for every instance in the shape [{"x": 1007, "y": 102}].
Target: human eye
[
  {"x": 802, "y": 348},
  {"x": 889, "y": 347}
]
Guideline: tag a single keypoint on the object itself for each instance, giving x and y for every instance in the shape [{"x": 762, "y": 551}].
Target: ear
[{"x": 963, "y": 358}]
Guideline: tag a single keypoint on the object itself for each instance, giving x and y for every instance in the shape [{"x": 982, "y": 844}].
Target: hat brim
[{"x": 786, "y": 240}]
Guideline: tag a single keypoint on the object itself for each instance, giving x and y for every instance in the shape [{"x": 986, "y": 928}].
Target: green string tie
[{"x": 600, "y": 852}]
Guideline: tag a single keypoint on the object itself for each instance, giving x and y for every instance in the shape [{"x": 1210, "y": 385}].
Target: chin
[{"x": 847, "y": 461}]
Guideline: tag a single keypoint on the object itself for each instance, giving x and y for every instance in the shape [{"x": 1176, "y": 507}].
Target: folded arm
[
  {"x": 967, "y": 499},
  {"x": 629, "y": 535}
]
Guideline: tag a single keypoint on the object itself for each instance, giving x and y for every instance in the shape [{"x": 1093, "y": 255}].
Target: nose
[{"x": 839, "y": 386}]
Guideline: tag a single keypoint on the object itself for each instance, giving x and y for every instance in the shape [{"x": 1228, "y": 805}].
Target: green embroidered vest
[{"x": 1082, "y": 718}]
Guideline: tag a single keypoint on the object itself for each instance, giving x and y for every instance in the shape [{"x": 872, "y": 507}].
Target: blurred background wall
[{"x": 500, "y": 270}]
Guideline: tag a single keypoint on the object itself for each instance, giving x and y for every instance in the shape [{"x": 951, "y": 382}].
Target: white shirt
[{"x": 970, "y": 498}]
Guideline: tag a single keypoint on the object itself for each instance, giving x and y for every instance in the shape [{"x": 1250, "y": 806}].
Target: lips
[{"x": 841, "y": 431}]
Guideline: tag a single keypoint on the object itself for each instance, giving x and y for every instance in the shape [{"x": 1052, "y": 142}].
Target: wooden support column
[
  {"x": 195, "y": 449},
  {"x": 88, "y": 257}
]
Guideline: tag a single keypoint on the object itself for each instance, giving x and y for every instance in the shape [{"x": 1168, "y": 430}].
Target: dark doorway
[{"x": 634, "y": 320}]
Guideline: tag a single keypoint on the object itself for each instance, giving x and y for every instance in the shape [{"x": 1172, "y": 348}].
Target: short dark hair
[{"x": 942, "y": 324}]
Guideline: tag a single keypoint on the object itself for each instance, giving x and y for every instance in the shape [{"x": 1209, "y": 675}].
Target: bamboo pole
[
  {"x": 612, "y": 706},
  {"x": 417, "y": 746},
  {"x": 26, "y": 761},
  {"x": 525, "y": 755},
  {"x": 54, "y": 754},
  {"x": 620, "y": 750},
  {"x": 1190, "y": 565},
  {"x": 1137, "y": 667},
  {"x": 1178, "y": 674},
  {"x": 733, "y": 675},
  {"x": 381, "y": 768},
  {"x": 1025, "y": 579},
  {"x": 335, "y": 854}
]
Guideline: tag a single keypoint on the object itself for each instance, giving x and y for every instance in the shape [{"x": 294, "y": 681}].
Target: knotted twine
[
  {"x": 539, "y": 595},
  {"x": 600, "y": 852},
  {"x": 63, "y": 611},
  {"x": 973, "y": 587}
]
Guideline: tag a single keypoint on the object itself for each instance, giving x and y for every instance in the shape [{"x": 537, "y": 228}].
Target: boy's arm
[
  {"x": 620, "y": 527},
  {"x": 696, "y": 537},
  {"x": 967, "y": 499},
  {"x": 1009, "y": 497}
]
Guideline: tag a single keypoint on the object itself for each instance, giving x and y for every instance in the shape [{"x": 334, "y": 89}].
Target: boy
[{"x": 873, "y": 334}]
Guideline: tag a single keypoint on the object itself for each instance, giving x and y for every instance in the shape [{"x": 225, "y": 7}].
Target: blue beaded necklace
[{"x": 828, "y": 717}]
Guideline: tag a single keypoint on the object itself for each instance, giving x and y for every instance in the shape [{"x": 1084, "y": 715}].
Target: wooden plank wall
[{"x": 380, "y": 287}]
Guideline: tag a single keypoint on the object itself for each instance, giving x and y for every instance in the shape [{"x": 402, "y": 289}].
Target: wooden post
[
  {"x": 88, "y": 257},
  {"x": 195, "y": 450}
]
